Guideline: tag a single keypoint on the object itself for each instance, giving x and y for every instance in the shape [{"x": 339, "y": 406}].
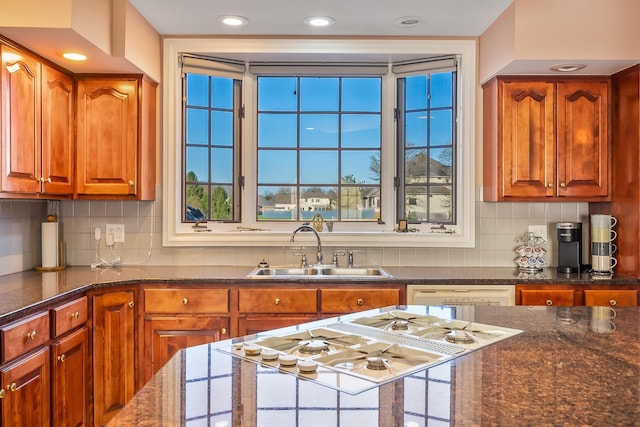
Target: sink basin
[{"x": 320, "y": 272}]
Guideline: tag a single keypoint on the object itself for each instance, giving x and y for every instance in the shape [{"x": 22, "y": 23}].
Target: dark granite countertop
[
  {"x": 31, "y": 289},
  {"x": 562, "y": 370}
]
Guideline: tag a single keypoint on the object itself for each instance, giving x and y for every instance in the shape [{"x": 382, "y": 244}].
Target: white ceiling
[{"x": 465, "y": 18}]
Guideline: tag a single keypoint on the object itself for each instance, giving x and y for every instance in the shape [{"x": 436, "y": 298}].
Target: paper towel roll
[{"x": 49, "y": 244}]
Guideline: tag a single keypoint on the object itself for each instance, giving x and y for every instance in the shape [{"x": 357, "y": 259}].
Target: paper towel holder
[{"x": 61, "y": 263}]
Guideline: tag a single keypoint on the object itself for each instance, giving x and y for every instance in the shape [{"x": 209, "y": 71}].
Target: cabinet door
[
  {"x": 350, "y": 300},
  {"x": 549, "y": 297},
  {"x": 164, "y": 337},
  {"x": 57, "y": 132},
  {"x": 528, "y": 139},
  {"x": 611, "y": 297},
  {"x": 26, "y": 396},
  {"x": 21, "y": 121},
  {"x": 583, "y": 139},
  {"x": 70, "y": 379},
  {"x": 107, "y": 136},
  {"x": 113, "y": 353},
  {"x": 273, "y": 300}
]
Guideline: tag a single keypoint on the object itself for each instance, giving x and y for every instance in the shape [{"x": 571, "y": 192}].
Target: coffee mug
[
  {"x": 603, "y": 235},
  {"x": 603, "y": 313},
  {"x": 603, "y": 221},
  {"x": 602, "y": 326},
  {"x": 603, "y": 262},
  {"x": 603, "y": 248}
]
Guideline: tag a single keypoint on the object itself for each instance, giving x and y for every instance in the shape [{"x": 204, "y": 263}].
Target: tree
[
  {"x": 196, "y": 196},
  {"x": 220, "y": 204}
]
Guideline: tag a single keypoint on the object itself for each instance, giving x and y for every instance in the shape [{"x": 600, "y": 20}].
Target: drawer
[
  {"x": 191, "y": 301},
  {"x": 278, "y": 300},
  {"x": 24, "y": 335},
  {"x": 612, "y": 297},
  {"x": 550, "y": 297},
  {"x": 348, "y": 300},
  {"x": 69, "y": 316}
]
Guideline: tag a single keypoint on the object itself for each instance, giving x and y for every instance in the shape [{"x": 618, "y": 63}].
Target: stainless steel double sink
[{"x": 320, "y": 272}]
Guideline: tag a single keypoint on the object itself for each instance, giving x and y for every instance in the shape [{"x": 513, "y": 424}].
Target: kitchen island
[{"x": 569, "y": 366}]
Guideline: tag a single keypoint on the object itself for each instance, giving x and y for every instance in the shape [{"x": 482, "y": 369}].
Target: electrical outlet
[
  {"x": 539, "y": 231},
  {"x": 116, "y": 231}
]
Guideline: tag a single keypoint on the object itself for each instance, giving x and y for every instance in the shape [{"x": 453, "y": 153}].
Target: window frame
[{"x": 252, "y": 233}]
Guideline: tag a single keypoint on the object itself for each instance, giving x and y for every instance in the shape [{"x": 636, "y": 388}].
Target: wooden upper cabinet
[
  {"x": 546, "y": 140},
  {"x": 37, "y": 126},
  {"x": 116, "y": 137}
]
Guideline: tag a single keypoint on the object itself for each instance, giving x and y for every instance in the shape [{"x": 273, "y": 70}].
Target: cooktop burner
[
  {"x": 397, "y": 321},
  {"x": 312, "y": 342}
]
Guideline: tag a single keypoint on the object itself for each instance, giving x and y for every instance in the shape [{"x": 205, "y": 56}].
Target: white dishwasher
[{"x": 461, "y": 294}]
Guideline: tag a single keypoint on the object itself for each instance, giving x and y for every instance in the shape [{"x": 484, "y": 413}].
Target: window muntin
[
  {"x": 319, "y": 148},
  {"x": 211, "y": 148},
  {"x": 427, "y": 147}
]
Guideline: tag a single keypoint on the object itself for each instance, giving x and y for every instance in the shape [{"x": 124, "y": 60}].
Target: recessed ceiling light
[
  {"x": 408, "y": 21},
  {"x": 233, "y": 21},
  {"x": 74, "y": 56},
  {"x": 567, "y": 68},
  {"x": 319, "y": 21}
]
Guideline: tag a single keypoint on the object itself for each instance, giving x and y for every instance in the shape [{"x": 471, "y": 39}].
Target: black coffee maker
[{"x": 569, "y": 247}]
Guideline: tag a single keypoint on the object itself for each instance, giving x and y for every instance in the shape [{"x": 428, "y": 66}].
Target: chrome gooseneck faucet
[{"x": 305, "y": 227}]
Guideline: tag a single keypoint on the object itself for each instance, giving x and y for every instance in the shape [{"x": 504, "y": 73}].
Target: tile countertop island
[{"x": 563, "y": 369}]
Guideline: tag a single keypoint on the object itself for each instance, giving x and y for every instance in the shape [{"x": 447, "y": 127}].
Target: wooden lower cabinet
[
  {"x": 252, "y": 324},
  {"x": 611, "y": 297},
  {"x": 165, "y": 336},
  {"x": 113, "y": 353},
  {"x": 348, "y": 300},
  {"x": 70, "y": 379},
  {"x": 25, "y": 398},
  {"x": 548, "y": 297}
]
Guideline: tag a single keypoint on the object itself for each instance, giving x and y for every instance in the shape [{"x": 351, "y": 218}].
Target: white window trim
[{"x": 175, "y": 233}]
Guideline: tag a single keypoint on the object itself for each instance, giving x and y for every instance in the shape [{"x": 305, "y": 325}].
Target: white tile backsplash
[{"x": 497, "y": 227}]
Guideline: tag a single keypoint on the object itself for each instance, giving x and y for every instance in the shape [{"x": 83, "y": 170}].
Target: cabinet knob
[
  {"x": 549, "y": 302},
  {"x": 613, "y": 302},
  {"x": 12, "y": 387},
  {"x": 359, "y": 301},
  {"x": 562, "y": 184},
  {"x": 130, "y": 182},
  {"x": 2, "y": 393},
  {"x": 62, "y": 357},
  {"x": 185, "y": 301},
  {"x": 550, "y": 184},
  {"x": 75, "y": 315},
  {"x": 131, "y": 304},
  {"x": 223, "y": 331},
  {"x": 276, "y": 301},
  {"x": 31, "y": 335}
]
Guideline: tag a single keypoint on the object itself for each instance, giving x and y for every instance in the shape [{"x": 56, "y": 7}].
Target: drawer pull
[
  {"x": 613, "y": 302},
  {"x": 2, "y": 393},
  {"x": 75, "y": 315},
  {"x": 563, "y": 185},
  {"x": 223, "y": 331},
  {"x": 31, "y": 335},
  {"x": 62, "y": 357},
  {"x": 276, "y": 301},
  {"x": 185, "y": 301},
  {"x": 12, "y": 387},
  {"x": 549, "y": 302},
  {"x": 130, "y": 182},
  {"x": 131, "y": 304},
  {"x": 550, "y": 184},
  {"x": 359, "y": 301}
]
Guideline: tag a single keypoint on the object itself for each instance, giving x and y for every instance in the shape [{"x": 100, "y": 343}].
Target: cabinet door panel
[
  {"x": 24, "y": 335},
  {"x": 21, "y": 121},
  {"x": 57, "y": 132},
  {"x": 269, "y": 300},
  {"x": 164, "y": 337},
  {"x": 27, "y": 397},
  {"x": 549, "y": 297},
  {"x": 528, "y": 138},
  {"x": 113, "y": 354},
  {"x": 254, "y": 324},
  {"x": 186, "y": 300},
  {"x": 70, "y": 379},
  {"x": 583, "y": 139},
  {"x": 350, "y": 300},
  {"x": 107, "y": 138},
  {"x": 612, "y": 297}
]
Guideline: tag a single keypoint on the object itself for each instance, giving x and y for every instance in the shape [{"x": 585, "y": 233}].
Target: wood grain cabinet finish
[
  {"x": 178, "y": 318},
  {"x": 341, "y": 300},
  {"x": 21, "y": 336},
  {"x": 69, "y": 316},
  {"x": 115, "y": 137},
  {"x": 611, "y": 297},
  {"x": 277, "y": 300},
  {"x": 70, "y": 379},
  {"x": 546, "y": 140},
  {"x": 113, "y": 353},
  {"x": 26, "y": 392},
  {"x": 37, "y": 126},
  {"x": 548, "y": 297}
]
